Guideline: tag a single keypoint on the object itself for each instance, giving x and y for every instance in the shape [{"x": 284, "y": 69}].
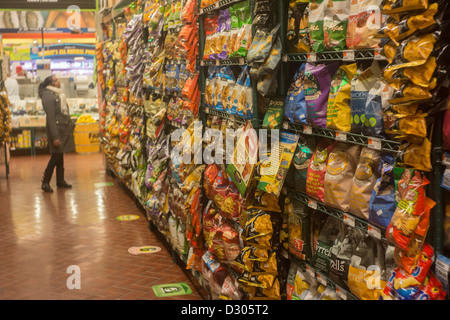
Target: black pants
[{"x": 56, "y": 160}]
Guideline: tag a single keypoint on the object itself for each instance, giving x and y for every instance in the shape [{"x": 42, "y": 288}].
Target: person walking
[{"x": 59, "y": 130}]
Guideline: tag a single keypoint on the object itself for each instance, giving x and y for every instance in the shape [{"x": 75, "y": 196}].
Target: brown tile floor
[{"x": 42, "y": 234}]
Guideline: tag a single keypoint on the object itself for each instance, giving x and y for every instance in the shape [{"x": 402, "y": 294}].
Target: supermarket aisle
[{"x": 43, "y": 234}]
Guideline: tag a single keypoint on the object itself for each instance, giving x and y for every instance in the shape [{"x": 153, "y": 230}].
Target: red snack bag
[
  {"x": 416, "y": 267},
  {"x": 431, "y": 289},
  {"x": 408, "y": 212},
  {"x": 189, "y": 10},
  {"x": 232, "y": 245},
  {"x": 315, "y": 179}
]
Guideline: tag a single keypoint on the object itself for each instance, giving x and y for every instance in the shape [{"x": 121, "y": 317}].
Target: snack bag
[
  {"x": 299, "y": 229},
  {"x": 341, "y": 252},
  {"x": 364, "y": 24},
  {"x": 295, "y": 103},
  {"x": 315, "y": 24},
  {"x": 315, "y": 179},
  {"x": 317, "y": 88},
  {"x": 372, "y": 124},
  {"x": 415, "y": 155},
  {"x": 409, "y": 210},
  {"x": 341, "y": 166},
  {"x": 335, "y": 25},
  {"x": 300, "y": 162},
  {"x": 431, "y": 289},
  {"x": 364, "y": 180},
  {"x": 338, "y": 108},
  {"x": 274, "y": 115},
  {"x": 382, "y": 202},
  {"x": 262, "y": 45},
  {"x": 330, "y": 231},
  {"x": 401, "y": 6},
  {"x": 298, "y": 32},
  {"x": 290, "y": 283},
  {"x": 361, "y": 84},
  {"x": 416, "y": 264}
]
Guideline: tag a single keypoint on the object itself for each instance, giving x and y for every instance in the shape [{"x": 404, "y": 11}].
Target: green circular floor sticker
[
  {"x": 127, "y": 217},
  {"x": 144, "y": 250}
]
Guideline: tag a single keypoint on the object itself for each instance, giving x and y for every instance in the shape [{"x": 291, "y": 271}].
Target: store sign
[
  {"x": 48, "y": 4},
  {"x": 64, "y": 51}
]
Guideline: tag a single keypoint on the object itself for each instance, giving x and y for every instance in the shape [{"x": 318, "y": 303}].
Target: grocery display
[{"x": 350, "y": 204}]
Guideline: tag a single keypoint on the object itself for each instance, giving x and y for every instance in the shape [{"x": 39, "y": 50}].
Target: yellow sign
[{"x": 127, "y": 217}]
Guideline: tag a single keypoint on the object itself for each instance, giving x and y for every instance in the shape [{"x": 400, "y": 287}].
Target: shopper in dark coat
[{"x": 59, "y": 130}]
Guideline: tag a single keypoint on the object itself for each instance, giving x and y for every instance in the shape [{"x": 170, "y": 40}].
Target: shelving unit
[{"x": 345, "y": 55}]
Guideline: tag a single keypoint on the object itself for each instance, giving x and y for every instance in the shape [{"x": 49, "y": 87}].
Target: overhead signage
[
  {"x": 84, "y": 5},
  {"x": 64, "y": 51}
]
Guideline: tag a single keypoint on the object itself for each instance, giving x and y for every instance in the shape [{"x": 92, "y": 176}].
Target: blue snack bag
[
  {"x": 295, "y": 104},
  {"x": 382, "y": 202},
  {"x": 372, "y": 124}
]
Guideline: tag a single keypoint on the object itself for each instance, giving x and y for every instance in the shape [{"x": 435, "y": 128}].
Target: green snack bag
[
  {"x": 274, "y": 115},
  {"x": 315, "y": 24},
  {"x": 335, "y": 25}
]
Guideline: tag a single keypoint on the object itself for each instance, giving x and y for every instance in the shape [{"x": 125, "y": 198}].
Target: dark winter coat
[{"x": 59, "y": 126}]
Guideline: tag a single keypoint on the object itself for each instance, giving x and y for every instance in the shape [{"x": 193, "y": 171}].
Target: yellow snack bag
[
  {"x": 399, "y": 6},
  {"x": 415, "y": 155},
  {"x": 338, "y": 108}
]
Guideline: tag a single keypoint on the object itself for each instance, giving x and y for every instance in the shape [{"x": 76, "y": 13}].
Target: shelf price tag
[
  {"x": 307, "y": 129},
  {"x": 312, "y": 57},
  {"x": 285, "y": 58},
  {"x": 241, "y": 61},
  {"x": 341, "y": 292},
  {"x": 312, "y": 203},
  {"x": 206, "y": 110},
  {"x": 374, "y": 231},
  {"x": 341, "y": 136},
  {"x": 310, "y": 270},
  {"x": 377, "y": 54},
  {"x": 216, "y": 5},
  {"x": 348, "y": 55},
  {"x": 349, "y": 220},
  {"x": 217, "y": 63},
  {"x": 321, "y": 279},
  {"x": 374, "y": 143},
  {"x": 285, "y": 125}
]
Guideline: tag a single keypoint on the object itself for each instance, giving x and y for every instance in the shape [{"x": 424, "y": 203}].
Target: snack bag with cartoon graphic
[
  {"x": 364, "y": 180},
  {"x": 317, "y": 88},
  {"x": 295, "y": 104},
  {"x": 300, "y": 162},
  {"x": 338, "y": 108},
  {"x": 315, "y": 178},
  {"x": 341, "y": 167}
]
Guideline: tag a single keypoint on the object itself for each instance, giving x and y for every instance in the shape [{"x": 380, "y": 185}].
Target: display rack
[{"x": 345, "y": 55}]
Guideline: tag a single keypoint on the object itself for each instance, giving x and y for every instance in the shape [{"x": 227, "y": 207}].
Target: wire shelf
[
  {"x": 350, "y": 55},
  {"x": 225, "y": 115},
  {"x": 218, "y": 5},
  {"x": 224, "y": 62}
]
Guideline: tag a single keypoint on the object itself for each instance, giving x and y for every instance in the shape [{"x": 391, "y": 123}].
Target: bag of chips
[
  {"x": 300, "y": 162},
  {"x": 299, "y": 229},
  {"x": 431, "y": 289},
  {"x": 297, "y": 31},
  {"x": 372, "y": 124},
  {"x": 315, "y": 179},
  {"x": 274, "y": 115},
  {"x": 338, "y": 108},
  {"x": 401, "y": 6},
  {"x": 363, "y": 24},
  {"x": 335, "y": 25},
  {"x": 262, "y": 45},
  {"x": 364, "y": 180},
  {"x": 361, "y": 84},
  {"x": 317, "y": 88},
  {"x": 415, "y": 155},
  {"x": 315, "y": 24},
  {"x": 341, "y": 166},
  {"x": 295, "y": 104},
  {"x": 382, "y": 202}
]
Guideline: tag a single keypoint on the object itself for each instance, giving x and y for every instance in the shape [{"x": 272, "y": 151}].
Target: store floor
[{"x": 42, "y": 234}]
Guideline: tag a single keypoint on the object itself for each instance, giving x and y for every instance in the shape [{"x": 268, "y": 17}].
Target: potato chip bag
[
  {"x": 415, "y": 155},
  {"x": 401, "y": 6},
  {"x": 274, "y": 115},
  {"x": 431, "y": 289},
  {"x": 317, "y": 168},
  {"x": 416, "y": 264},
  {"x": 330, "y": 231},
  {"x": 361, "y": 84},
  {"x": 372, "y": 122},
  {"x": 409, "y": 210},
  {"x": 317, "y": 88},
  {"x": 315, "y": 24},
  {"x": 363, "y": 183},
  {"x": 298, "y": 32},
  {"x": 335, "y": 25},
  {"x": 363, "y": 25},
  {"x": 418, "y": 75},
  {"x": 338, "y": 108},
  {"x": 295, "y": 103},
  {"x": 382, "y": 201},
  {"x": 300, "y": 162},
  {"x": 341, "y": 166},
  {"x": 290, "y": 283},
  {"x": 299, "y": 229},
  {"x": 401, "y": 286}
]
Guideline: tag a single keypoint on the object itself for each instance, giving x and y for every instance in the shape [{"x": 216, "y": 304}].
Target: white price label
[
  {"x": 374, "y": 143},
  {"x": 216, "y": 5},
  {"x": 312, "y": 203},
  {"x": 341, "y": 292},
  {"x": 321, "y": 279},
  {"x": 202, "y": 63},
  {"x": 285, "y": 125},
  {"x": 374, "y": 231},
  {"x": 312, "y": 57},
  {"x": 377, "y": 54},
  {"x": 310, "y": 271},
  {"x": 241, "y": 61},
  {"x": 307, "y": 129},
  {"x": 285, "y": 58},
  {"x": 349, "y": 220},
  {"x": 217, "y": 63},
  {"x": 206, "y": 110},
  {"x": 341, "y": 136},
  {"x": 348, "y": 55}
]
